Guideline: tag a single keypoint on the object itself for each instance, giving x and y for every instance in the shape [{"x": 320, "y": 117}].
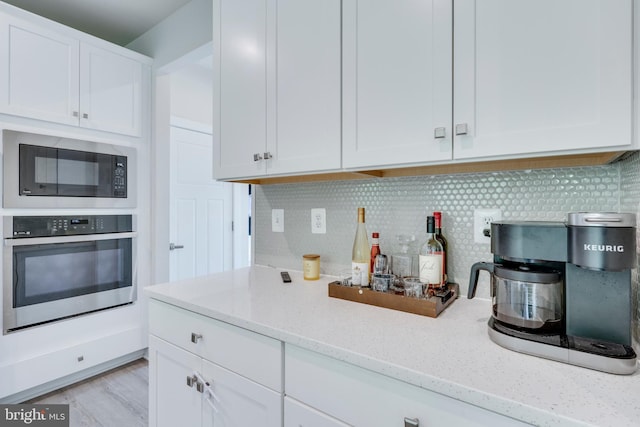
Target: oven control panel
[{"x": 45, "y": 226}]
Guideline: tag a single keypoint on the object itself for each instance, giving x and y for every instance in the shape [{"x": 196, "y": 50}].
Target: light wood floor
[{"x": 117, "y": 398}]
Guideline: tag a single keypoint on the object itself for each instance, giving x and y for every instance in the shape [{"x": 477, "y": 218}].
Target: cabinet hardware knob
[
  {"x": 195, "y": 337},
  {"x": 85, "y": 116},
  {"x": 192, "y": 380},
  {"x": 257, "y": 157},
  {"x": 76, "y": 114},
  {"x": 439, "y": 133},
  {"x": 411, "y": 422},
  {"x": 200, "y": 387},
  {"x": 267, "y": 155},
  {"x": 173, "y": 246},
  {"x": 462, "y": 129}
]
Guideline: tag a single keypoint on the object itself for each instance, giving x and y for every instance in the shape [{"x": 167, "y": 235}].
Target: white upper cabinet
[
  {"x": 542, "y": 76},
  {"x": 39, "y": 72},
  {"x": 396, "y": 82},
  {"x": 110, "y": 91},
  {"x": 276, "y": 87},
  {"x": 49, "y": 74}
]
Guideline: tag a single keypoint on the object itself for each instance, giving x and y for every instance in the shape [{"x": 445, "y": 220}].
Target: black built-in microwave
[{"x": 46, "y": 171}]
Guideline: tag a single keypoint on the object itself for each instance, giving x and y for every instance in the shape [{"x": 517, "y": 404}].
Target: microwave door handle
[{"x": 67, "y": 239}]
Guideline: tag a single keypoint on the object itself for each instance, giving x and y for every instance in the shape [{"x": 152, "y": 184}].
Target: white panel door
[
  {"x": 541, "y": 76},
  {"x": 238, "y": 401},
  {"x": 397, "y": 82},
  {"x": 38, "y": 72},
  {"x": 201, "y": 209},
  {"x": 240, "y": 87},
  {"x": 307, "y": 102},
  {"x": 110, "y": 91},
  {"x": 171, "y": 401}
]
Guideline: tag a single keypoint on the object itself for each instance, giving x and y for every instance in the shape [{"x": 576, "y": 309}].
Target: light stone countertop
[{"x": 451, "y": 355}]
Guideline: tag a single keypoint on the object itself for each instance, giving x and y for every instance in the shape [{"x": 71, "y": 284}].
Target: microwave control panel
[
  {"x": 46, "y": 226},
  {"x": 120, "y": 176}
]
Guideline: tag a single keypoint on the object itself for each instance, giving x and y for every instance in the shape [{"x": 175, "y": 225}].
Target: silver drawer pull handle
[
  {"x": 192, "y": 380},
  {"x": 195, "y": 337},
  {"x": 462, "y": 129},
  {"x": 411, "y": 422},
  {"x": 200, "y": 387},
  {"x": 257, "y": 157},
  {"x": 267, "y": 156},
  {"x": 439, "y": 133}
]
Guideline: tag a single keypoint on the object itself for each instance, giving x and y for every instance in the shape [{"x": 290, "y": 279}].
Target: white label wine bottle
[
  {"x": 431, "y": 260},
  {"x": 360, "y": 256}
]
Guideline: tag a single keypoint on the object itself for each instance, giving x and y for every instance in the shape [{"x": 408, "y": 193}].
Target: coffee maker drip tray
[{"x": 601, "y": 356}]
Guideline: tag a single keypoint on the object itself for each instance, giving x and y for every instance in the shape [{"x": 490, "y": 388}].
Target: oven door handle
[{"x": 28, "y": 241}]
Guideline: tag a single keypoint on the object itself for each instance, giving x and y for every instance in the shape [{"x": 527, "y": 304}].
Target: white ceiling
[{"x": 118, "y": 21}]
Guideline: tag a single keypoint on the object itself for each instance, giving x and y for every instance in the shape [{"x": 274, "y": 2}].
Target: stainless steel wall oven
[{"x": 57, "y": 267}]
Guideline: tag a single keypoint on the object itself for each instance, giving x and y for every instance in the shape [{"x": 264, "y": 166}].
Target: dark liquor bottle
[
  {"x": 375, "y": 250},
  {"x": 445, "y": 254}
]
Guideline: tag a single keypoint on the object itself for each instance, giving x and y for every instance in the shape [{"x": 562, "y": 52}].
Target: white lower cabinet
[
  {"x": 234, "y": 400},
  {"x": 203, "y": 372},
  {"x": 171, "y": 401},
  {"x": 360, "y": 397}
]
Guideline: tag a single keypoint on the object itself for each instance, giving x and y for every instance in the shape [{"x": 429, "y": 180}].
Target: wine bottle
[
  {"x": 445, "y": 254},
  {"x": 375, "y": 250},
  {"x": 360, "y": 256},
  {"x": 430, "y": 259}
]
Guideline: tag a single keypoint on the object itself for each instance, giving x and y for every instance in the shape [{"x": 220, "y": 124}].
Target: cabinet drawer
[
  {"x": 298, "y": 414},
  {"x": 363, "y": 398},
  {"x": 229, "y": 346}
]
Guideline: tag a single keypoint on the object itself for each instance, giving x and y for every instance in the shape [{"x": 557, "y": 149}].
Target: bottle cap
[
  {"x": 431, "y": 224},
  {"x": 375, "y": 235}
]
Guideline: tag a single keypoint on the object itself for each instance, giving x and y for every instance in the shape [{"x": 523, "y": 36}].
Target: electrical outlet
[
  {"x": 319, "y": 221},
  {"x": 482, "y": 219},
  {"x": 277, "y": 220}
]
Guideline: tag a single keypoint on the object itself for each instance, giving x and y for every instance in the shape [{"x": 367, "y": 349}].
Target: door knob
[{"x": 173, "y": 246}]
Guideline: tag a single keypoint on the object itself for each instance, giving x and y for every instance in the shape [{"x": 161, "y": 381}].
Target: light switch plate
[
  {"x": 277, "y": 220},
  {"x": 319, "y": 221}
]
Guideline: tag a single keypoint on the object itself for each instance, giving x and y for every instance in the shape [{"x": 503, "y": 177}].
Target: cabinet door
[
  {"x": 297, "y": 414},
  {"x": 171, "y": 401},
  {"x": 396, "y": 82},
  {"x": 238, "y": 401},
  {"x": 38, "y": 72},
  {"x": 307, "y": 102},
  {"x": 240, "y": 87},
  {"x": 542, "y": 76},
  {"x": 110, "y": 91}
]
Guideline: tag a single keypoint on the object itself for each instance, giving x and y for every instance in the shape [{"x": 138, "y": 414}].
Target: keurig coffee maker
[{"x": 563, "y": 291}]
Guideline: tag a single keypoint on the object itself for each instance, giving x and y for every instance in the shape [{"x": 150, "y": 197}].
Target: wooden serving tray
[{"x": 431, "y": 307}]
